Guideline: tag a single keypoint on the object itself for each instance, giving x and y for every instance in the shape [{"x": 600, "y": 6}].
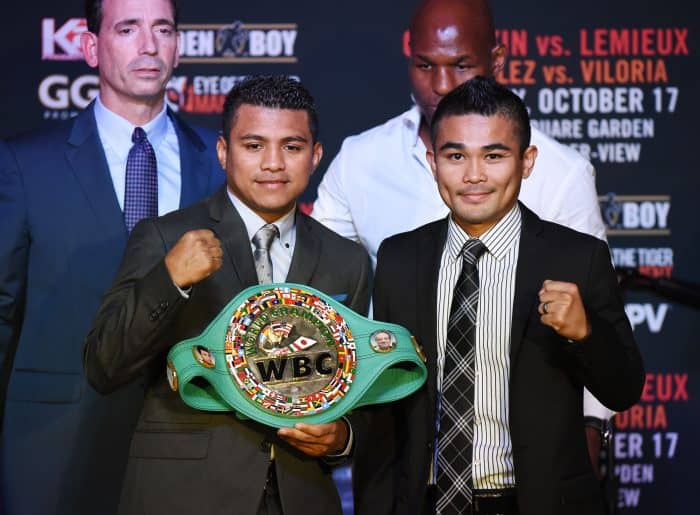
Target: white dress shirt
[
  {"x": 115, "y": 134},
  {"x": 492, "y": 455},
  {"x": 381, "y": 184},
  {"x": 282, "y": 248}
]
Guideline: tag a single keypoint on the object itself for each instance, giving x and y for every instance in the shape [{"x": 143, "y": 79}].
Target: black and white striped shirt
[{"x": 492, "y": 459}]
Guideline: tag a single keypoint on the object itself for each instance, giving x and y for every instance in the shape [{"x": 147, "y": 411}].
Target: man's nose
[
  {"x": 473, "y": 172},
  {"x": 273, "y": 159},
  {"x": 444, "y": 81},
  {"x": 148, "y": 43}
]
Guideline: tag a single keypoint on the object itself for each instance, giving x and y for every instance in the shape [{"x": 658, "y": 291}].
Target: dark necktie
[
  {"x": 141, "y": 185},
  {"x": 454, "y": 478},
  {"x": 261, "y": 255}
]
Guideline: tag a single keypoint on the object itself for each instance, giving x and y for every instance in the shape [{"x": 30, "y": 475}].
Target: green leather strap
[{"x": 285, "y": 353}]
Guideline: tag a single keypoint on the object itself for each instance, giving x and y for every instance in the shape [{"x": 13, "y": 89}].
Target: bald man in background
[{"x": 380, "y": 183}]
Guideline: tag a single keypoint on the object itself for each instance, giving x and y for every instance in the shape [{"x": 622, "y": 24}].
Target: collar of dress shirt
[
  {"x": 118, "y": 130},
  {"x": 285, "y": 224},
  {"x": 411, "y": 124},
  {"x": 498, "y": 239}
]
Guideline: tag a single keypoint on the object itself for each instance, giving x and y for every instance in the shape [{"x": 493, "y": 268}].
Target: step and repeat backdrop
[{"x": 618, "y": 81}]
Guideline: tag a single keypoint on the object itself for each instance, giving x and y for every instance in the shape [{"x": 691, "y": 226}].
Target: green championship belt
[{"x": 285, "y": 353}]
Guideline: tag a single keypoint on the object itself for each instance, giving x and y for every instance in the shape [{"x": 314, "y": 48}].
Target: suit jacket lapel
[
  {"x": 192, "y": 162},
  {"x": 428, "y": 268},
  {"x": 528, "y": 278},
  {"x": 307, "y": 251},
  {"x": 230, "y": 229},
  {"x": 89, "y": 164}
]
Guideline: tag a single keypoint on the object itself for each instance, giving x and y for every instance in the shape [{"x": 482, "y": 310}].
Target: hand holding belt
[{"x": 286, "y": 353}]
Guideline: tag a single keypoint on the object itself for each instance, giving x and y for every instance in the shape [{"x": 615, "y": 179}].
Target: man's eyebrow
[
  {"x": 288, "y": 139},
  {"x": 128, "y": 21},
  {"x": 453, "y": 145},
  {"x": 164, "y": 21},
  {"x": 300, "y": 139},
  {"x": 136, "y": 21},
  {"x": 496, "y": 146},
  {"x": 456, "y": 59}
]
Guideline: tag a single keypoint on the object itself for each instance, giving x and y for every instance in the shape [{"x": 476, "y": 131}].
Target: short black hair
[
  {"x": 486, "y": 97},
  {"x": 93, "y": 14},
  {"x": 272, "y": 91}
]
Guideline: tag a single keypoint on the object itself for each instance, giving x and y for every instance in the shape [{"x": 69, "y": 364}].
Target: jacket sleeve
[
  {"x": 128, "y": 330},
  {"x": 14, "y": 252},
  {"x": 609, "y": 361}
]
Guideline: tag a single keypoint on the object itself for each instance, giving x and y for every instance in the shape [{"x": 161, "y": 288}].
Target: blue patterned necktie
[
  {"x": 141, "y": 185},
  {"x": 455, "y": 438},
  {"x": 262, "y": 240}
]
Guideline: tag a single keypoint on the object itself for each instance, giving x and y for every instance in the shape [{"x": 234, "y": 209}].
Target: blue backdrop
[{"x": 617, "y": 80}]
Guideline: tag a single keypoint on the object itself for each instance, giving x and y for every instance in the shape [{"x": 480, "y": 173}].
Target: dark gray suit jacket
[
  {"x": 188, "y": 461},
  {"x": 547, "y": 374}
]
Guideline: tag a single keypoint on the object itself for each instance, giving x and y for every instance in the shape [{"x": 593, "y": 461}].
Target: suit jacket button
[
  {"x": 164, "y": 305},
  {"x": 153, "y": 316},
  {"x": 265, "y": 446}
]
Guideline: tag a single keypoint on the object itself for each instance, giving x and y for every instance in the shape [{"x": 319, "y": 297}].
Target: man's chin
[{"x": 149, "y": 95}]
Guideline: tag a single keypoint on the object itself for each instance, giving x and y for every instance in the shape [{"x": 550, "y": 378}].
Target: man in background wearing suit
[
  {"x": 177, "y": 274},
  {"x": 515, "y": 314},
  {"x": 69, "y": 196}
]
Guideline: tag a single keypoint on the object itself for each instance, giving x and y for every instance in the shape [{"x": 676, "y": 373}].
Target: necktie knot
[
  {"x": 262, "y": 240},
  {"x": 138, "y": 135},
  {"x": 261, "y": 255},
  {"x": 472, "y": 250}
]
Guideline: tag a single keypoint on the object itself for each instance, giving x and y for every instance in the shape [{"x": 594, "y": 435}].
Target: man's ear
[
  {"x": 222, "y": 151},
  {"x": 88, "y": 44},
  {"x": 498, "y": 58},
  {"x": 178, "y": 43},
  {"x": 430, "y": 156},
  {"x": 316, "y": 156},
  {"x": 529, "y": 157}
]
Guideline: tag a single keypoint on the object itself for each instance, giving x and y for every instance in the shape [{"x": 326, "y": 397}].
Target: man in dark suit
[
  {"x": 62, "y": 204},
  {"x": 516, "y": 315},
  {"x": 179, "y": 271}
]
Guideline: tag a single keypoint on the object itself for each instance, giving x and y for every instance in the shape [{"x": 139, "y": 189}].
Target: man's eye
[
  {"x": 253, "y": 146},
  {"x": 126, "y": 30},
  {"x": 423, "y": 66},
  {"x": 167, "y": 31},
  {"x": 292, "y": 148},
  {"x": 455, "y": 157},
  {"x": 464, "y": 67},
  {"x": 492, "y": 156}
]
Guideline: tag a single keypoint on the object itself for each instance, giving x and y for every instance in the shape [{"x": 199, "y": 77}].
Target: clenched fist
[
  {"x": 196, "y": 255},
  {"x": 561, "y": 308}
]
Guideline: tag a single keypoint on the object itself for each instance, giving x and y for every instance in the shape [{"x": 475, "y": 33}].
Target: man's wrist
[
  {"x": 344, "y": 450},
  {"x": 184, "y": 292}
]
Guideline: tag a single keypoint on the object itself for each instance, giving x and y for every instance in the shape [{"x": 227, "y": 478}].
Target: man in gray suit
[{"x": 179, "y": 271}]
